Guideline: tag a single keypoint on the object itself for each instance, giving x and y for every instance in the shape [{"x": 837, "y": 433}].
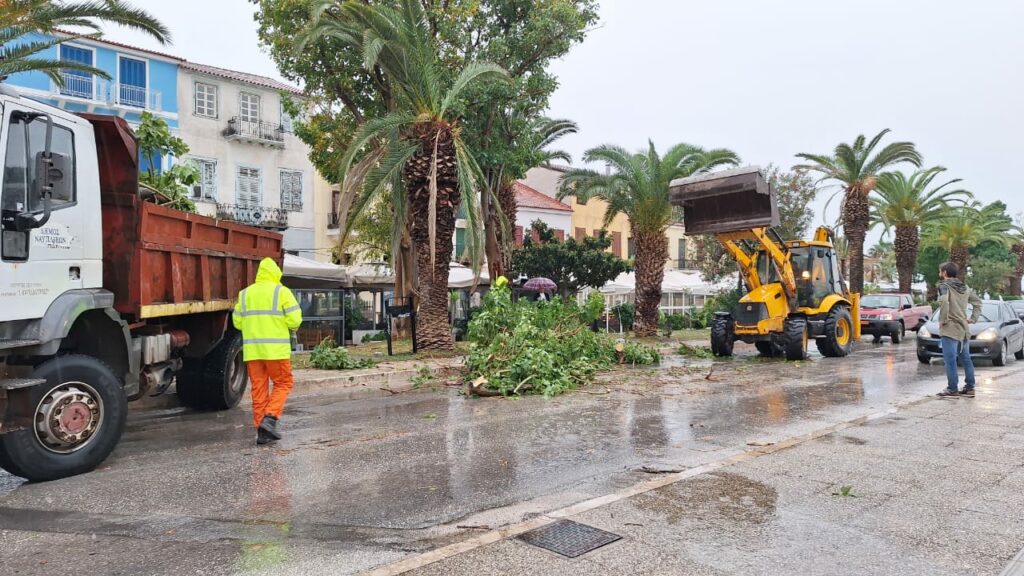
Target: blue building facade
[{"x": 140, "y": 81}]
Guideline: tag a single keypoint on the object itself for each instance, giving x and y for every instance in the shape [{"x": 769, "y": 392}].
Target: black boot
[
  {"x": 269, "y": 426},
  {"x": 262, "y": 437}
]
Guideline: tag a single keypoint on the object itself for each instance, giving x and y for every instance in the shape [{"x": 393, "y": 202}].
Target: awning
[
  {"x": 305, "y": 273},
  {"x": 371, "y": 276},
  {"x": 460, "y": 276},
  {"x": 675, "y": 281}
]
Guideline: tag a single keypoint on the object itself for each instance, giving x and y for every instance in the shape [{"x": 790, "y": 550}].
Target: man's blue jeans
[{"x": 951, "y": 352}]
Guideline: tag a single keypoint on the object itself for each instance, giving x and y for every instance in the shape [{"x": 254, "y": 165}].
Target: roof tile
[{"x": 527, "y": 197}]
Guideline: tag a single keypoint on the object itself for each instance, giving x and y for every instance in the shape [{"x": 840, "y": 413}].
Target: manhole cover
[{"x": 569, "y": 538}]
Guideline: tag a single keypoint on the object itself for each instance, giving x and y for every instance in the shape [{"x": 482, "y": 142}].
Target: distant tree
[
  {"x": 711, "y": 259},
  {"x": 637, "y": 186},
  {"x": 20, "y": 18},
  {"x": 795, "y": 191},
  {"x": 960, "y": 229},
  {"x": 885, "y": 268},
  {"x": 929, "y": 258},
  {"x": 992, "y": 266},
  {"x": 904, "y": 204},
  {"x": 1017, "y": 236},
  {"x": 856, "y": 168},
  {"x": 571, "y": 264},
  {"x": 155, "y": 142}
]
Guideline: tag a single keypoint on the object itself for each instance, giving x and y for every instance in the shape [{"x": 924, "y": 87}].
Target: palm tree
[
  {"x": 856, "y": 168},
  {"x": 540, "y": 134},
  {"x": 1017, "y": 247},
  {"x": 20, "y": 18},
  {"x": 906, "y": 203},
  {"x": 638, "y": 187},
  {"x": 965, "y": 227},
  {"x": 417, "y": 148},
  {"x": 885, "y": 268}
]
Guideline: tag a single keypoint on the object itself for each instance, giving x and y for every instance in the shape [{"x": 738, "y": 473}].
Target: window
[
  {"x": 248, "y": 186},
  {"x": 681, "y": 253},
  {"x": 206, "y": 187},
  {"x": 286, "y": 119},
  {"x": 25, "y": 139},
  {"x": 132, "y": 82},
  {"x": 249, "y": 108},
  {"x": 205, "y": 100},
  {"x": 79, "y": 84},
  {"x": 617, "y": 244},
  {"x": 291, "y": 190},
  {"x": 630, "y": 248}
]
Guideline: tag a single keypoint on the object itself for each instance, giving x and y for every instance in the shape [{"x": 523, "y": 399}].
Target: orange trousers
[{"x": 264, "y": 401}]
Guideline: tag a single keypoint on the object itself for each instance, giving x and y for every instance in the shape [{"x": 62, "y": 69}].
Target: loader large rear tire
[
  {"x": 795, "y": 339},
  {"x": 838, "y": 339},
  {"x": 722, "y": 335}
]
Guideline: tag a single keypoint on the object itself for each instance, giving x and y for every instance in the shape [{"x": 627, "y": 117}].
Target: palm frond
[{"x": 473, "y": 72}]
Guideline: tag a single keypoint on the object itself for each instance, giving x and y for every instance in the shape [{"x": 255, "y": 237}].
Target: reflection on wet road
[{"x": 370, "y": 480}]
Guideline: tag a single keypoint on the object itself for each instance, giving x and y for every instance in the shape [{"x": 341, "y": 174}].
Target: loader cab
[{"x": 817, "y": 273}]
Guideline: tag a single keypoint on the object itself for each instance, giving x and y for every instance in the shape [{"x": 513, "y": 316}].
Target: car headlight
[
  {"x": 989, "y": 335},
  {"x": 885, "y": 316},
  {"x": 924, "y": 333}
]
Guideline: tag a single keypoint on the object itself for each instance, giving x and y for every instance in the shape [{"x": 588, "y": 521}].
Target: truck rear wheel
[
  {"x": 217, "y": 381},
  {"x": 79, "y": 417},
  {"x": 795, "y": 339},
  {"x": 722, "y": 335},
  {"x": 838, "y": 339}
]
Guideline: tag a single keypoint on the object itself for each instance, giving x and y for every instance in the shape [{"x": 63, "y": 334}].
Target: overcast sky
[{"x": 766, "y": 78}]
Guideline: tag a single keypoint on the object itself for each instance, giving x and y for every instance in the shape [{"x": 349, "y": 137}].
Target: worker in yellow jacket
[{"x": 267, "y": 313}]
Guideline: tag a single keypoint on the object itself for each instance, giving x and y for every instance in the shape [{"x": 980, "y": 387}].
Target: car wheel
[
  {"x": 898, "y": 335},
  {"x": 924, "y": 358},
  {"x": 1019, "y": 354},
  {"x": 1004, "y": 353}
]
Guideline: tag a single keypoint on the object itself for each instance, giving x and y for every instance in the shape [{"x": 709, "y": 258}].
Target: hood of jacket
[
  {"x": 955, "y": 284},
  {"x": 269, "y": 272}
]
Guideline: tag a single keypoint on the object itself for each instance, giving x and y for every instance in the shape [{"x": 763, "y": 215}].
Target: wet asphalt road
[{"x": 362, "y": 483}]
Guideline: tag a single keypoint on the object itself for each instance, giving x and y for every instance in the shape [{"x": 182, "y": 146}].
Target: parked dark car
[
  {"x": 1018, "y": 307},
  {"x": 998, "y": 333}
]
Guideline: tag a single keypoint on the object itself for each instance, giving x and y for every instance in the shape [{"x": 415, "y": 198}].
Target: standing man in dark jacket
[{"x": 954, "y": 328}]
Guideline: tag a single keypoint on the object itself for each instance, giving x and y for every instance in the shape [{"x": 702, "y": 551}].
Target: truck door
[{"x": 38, "y": 264}]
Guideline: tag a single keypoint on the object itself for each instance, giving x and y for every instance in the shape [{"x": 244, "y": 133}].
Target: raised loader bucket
[{"x": 729, "y": 201}]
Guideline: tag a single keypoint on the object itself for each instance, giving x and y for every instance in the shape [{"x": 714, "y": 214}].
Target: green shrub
[
  {"x": 329, "y": 356},
  {"x": 378, "y": 337},
  {"x": 639, "y": 354},
  {"x": 541, "y": 348}
]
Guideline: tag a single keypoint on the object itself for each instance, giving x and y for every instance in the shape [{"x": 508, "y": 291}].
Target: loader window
[
  {"x": 766, "y": 270},
  {"x": 813, "y": 274}
]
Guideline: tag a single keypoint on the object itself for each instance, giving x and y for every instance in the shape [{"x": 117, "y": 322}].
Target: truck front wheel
[
  {"x": 79, "y": 417},
  {"x": 838, "y": 339}
]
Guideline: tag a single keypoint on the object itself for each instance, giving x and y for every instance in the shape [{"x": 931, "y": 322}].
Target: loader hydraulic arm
[{"x": 777, "y": 252}]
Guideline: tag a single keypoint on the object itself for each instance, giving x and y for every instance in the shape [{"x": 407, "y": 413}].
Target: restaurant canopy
[{"x": 302, "y": 272}]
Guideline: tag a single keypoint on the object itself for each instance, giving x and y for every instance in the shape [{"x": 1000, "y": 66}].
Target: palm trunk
[
  {"x": 433, "y": 331},
  {"x": 959, "y": 255},
  {"x": 906, "y": 246},
  {"x": 651, "y": 254},
  {"x": 1018, "y": 271},
  {"x": 856, "y": 218}
]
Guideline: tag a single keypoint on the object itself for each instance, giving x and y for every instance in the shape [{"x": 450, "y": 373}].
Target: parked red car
[{"x": 891, "y": 315}]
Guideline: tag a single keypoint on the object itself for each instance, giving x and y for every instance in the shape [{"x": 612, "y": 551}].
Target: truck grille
[{"x": 750, "y": 313}]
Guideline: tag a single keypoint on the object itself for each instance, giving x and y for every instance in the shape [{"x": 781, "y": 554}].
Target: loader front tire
[
  {"x": 722, "y": 335},
  {"x": 838, "y": 339},
  {"x": 795, "y": 338}
]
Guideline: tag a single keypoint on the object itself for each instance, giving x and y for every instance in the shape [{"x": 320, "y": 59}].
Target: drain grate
[{"x": 568, "y": 538}]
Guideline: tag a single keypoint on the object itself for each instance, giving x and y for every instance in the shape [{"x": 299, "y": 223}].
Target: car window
[
  {"x": 879, "y": 301},
  {"x": 989, "y": 312}
]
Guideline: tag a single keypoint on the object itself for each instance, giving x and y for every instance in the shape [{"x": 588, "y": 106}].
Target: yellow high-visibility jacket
[{"x": 266, "y": 313}]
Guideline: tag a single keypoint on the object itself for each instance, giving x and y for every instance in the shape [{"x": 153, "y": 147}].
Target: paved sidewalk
[{"x": 935, "y": 488}]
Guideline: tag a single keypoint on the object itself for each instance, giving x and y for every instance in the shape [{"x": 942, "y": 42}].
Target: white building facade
[{"x": 253, "y": 169}]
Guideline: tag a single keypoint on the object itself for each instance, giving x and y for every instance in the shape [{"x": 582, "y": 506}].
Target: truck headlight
[
  {"x": 924, "y": 333},
  {"x": 885, "y": 316},
  {"x": 989, "y": 335}
]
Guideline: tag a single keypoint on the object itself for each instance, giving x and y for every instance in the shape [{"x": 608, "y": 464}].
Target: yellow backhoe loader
[{"x": 795, "y": 289}]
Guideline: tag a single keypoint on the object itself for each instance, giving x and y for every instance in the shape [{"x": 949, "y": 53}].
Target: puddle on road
[{"x": 712, "y": 497}]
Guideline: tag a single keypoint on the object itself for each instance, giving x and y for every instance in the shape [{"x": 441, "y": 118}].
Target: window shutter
[
  {"x": 560, "y": 234},
  {"x": 519, "y": 236},
  {"x": 617, "y": 244},
  {"x": 581, "y": 233}
]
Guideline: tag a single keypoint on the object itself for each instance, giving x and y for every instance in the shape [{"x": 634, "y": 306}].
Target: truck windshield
[{"x": 880, "y": 301}]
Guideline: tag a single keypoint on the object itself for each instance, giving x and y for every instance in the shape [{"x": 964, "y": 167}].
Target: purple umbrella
[{"x": 540, "y": 285}]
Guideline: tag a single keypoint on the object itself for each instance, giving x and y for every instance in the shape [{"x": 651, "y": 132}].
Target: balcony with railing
[
  {"x": 683, "y": 264},
  {"x": 255, "y": 132},
  {"x": 87, "y": 87},
  {"x": 259, "y": 216}
]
